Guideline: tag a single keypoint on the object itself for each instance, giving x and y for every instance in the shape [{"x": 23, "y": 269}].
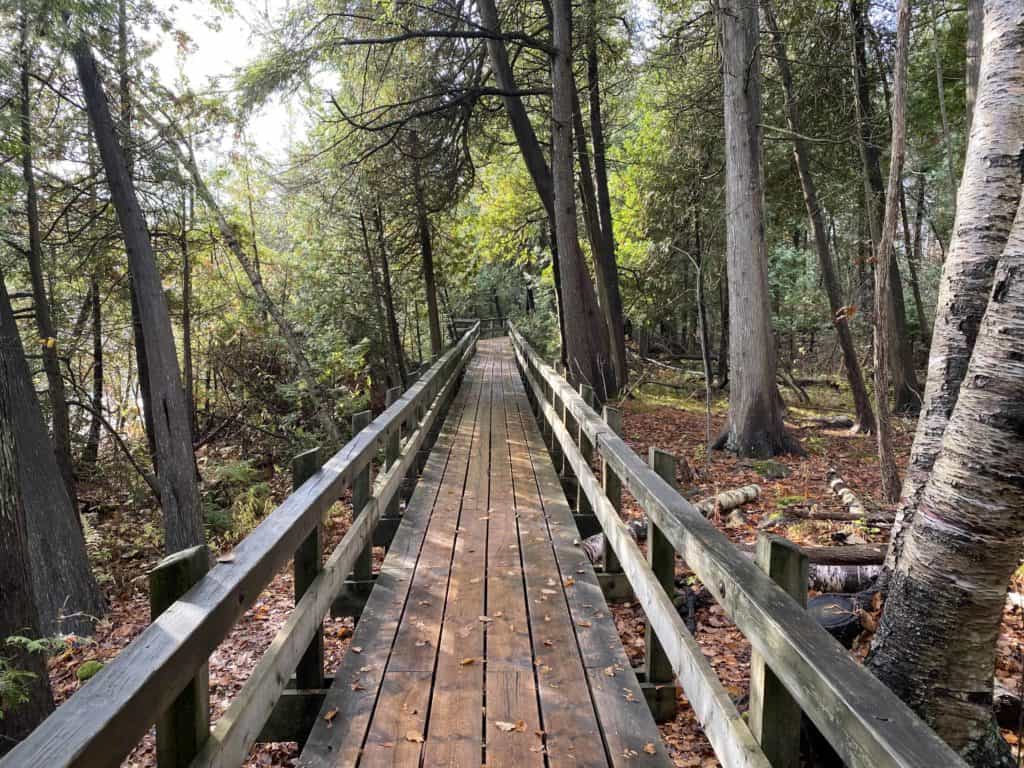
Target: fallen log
[
  {"x": 848, "y": 497},
  {"x": 849, "y": 554},
  {"x": 727, "y": 500}
]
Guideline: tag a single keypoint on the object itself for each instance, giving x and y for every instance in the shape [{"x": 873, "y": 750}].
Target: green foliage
[
  {"x": 15, "y": 684},
  {"x": 87, "y": 670}
]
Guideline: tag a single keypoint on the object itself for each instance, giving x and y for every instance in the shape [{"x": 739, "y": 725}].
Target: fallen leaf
[
  {"x": 650, "y": 749},
  {"x": 467, "y": 661},
  {"x": 357, "y": 649},
  {"x": 414, "y": 737},
  {"x": 228, "y": 557},
  {"x": 330, "y": 715}
]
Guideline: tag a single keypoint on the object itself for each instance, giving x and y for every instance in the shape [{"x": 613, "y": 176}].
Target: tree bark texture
[
  {"x": 586, "y": 337},
  {"x": 830, "y": 281},
  {"x": 18, "y": 612},
  {"x": 975, "y": 32},
  {"x": 427, "y": 256},
  {"x": 936, "y": 643},
  {"x": 90, "y": 453},
  {"x": 179, "y": 493},
  {"x": 755, "y": 426},
  {"x": 990, "y": 191},
  {"x": 389, "y": 302},
  {"x": 883, "y": 426},
  {"x": 66, "y": 594}
]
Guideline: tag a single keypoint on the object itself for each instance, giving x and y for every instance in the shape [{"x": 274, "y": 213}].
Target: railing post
[
  {"x": 353, "y": 597},
  {"x": 774, "y": 714},
  {"x": 308, "y": 563},
  {"x": 613, "y": 581},
  {"x": 586, "y": 522},
  {"x": 182, "y": 730},
  {"x": 659, "y": 679},
  {"x": 389, "y": 519}
]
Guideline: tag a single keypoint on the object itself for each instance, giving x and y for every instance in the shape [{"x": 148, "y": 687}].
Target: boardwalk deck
[{"x": 486, "y": 639}]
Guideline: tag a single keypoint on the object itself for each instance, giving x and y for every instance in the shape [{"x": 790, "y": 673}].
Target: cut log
[
  {"x": 848, "y": 497},
  {"x": 727, "y": 500}
]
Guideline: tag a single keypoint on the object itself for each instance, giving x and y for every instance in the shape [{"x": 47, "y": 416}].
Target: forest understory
[{"x": 125, "y": 545}]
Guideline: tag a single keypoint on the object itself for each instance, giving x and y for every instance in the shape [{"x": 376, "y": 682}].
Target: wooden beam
[{"x": 308, "y": 563}]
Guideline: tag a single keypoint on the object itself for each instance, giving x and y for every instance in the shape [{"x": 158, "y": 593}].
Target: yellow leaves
[{"x": 48, "y": 343}]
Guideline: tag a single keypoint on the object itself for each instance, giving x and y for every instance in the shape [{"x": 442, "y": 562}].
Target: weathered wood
[
  {"x": 723, "y": 725},
  {"x": 662, "y": 558},
  {"x": 237, "y": 729},
  {"x": 727, "y": 500},
  {"x": 774, "y": 713},
  {"x": 392, "y": 447},
  {"x": 308, "y": 563},
  {"x": 863, "y": 720},
  {"x": 105, "y": 719},
  {"x": 184, "y": 727},
  {"x": 614, "y": 584}
]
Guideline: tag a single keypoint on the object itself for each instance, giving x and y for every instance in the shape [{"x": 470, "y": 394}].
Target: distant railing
[
  {"x": 797, "y": 668},
  {"x": 162, "y": 677},
  {"x": 489, "y": 326}
]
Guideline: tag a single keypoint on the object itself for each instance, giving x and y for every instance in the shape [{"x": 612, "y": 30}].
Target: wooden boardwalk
[{"x": 486, "y": 639}]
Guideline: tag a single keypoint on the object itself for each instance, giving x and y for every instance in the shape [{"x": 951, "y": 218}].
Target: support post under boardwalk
[
  {"x": 182, "y": 730},
  {"x": 613, "y": 581},
  {"x": 389, "y": 520},
  {"x": 659, "y": 683},
  {"x": 774, "y": 714},
  {"x": 308, "y": 563}
]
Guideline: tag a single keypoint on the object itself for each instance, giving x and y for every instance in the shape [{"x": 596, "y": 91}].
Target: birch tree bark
[
  {"x": 936, "y": 643},
  {"x": 989, "y": 193},
  {"x": 755, "y": 426}
]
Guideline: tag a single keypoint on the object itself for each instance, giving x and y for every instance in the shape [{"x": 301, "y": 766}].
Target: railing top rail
[
  {"x": 865, "y": 722},
  {"x": 103, "y": 720}
]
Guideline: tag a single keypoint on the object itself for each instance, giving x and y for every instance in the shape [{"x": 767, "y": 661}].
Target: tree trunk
[
  {"x": 40, "y": 300},
  {"x": 321, "y": 400},
  {"x": 901, "y": 361},
  {"x": 586, "y": 337},
  {"x": 389, "y": 303},
  {"x": 427, "y": 255},
  {"x": 991, "y": 187},
  {"x": 975, "y": 31},
  {"x": 913, "y": 250},
  {"x": 92, "y": 442},
  {"x": 936, "y": 643},
  {"x": 605, "y": 264},
  {"x": 723, "y": 336},
  {"x": 179, "y": 494},
  {"x": 839, "y": 313},
  {"x": 883, "y": 428},
  {"x": 187, "y": 213},
  {"x": 941, "y": 87},
  {"x": 378, "y": 305},
  {"x": 66, "y": 594},
  {"x": 755, "y": 426},
  {"x": 18, "y": 612}
]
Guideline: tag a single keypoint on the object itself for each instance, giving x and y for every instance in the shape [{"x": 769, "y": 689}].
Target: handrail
[
  {"x": 104, "y": 720},
  {"x": 865, "y": 722}
]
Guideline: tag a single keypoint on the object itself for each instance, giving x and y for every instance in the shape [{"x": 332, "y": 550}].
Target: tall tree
[
  {"x": 936, "y": 643},
  {"x": 801, "y": 152},
  {"x": 67, "y": 596},
  {"x": 176, "y": 476},
  {"x": 901, "y": 359},
  {"x": 18, "y": 613},
  {"x": 883, "y": 428},
  {"x": 755, "y": 426},
  {"x": 40, "y": 299},
  {"x": 990, "y": 190}
]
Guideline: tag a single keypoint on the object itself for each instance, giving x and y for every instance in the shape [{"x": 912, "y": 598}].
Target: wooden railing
[
  {"x": 796, "y": 668},
  {"x": 489, "y": 326},
  {"x": 161, "y": 677}
]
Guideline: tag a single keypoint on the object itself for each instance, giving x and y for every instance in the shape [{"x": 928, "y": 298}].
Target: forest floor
[{"x": 124, "y": 540}]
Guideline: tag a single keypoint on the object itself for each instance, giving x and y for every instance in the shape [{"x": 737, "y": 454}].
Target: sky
[{"x": 220, "y": 44}]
